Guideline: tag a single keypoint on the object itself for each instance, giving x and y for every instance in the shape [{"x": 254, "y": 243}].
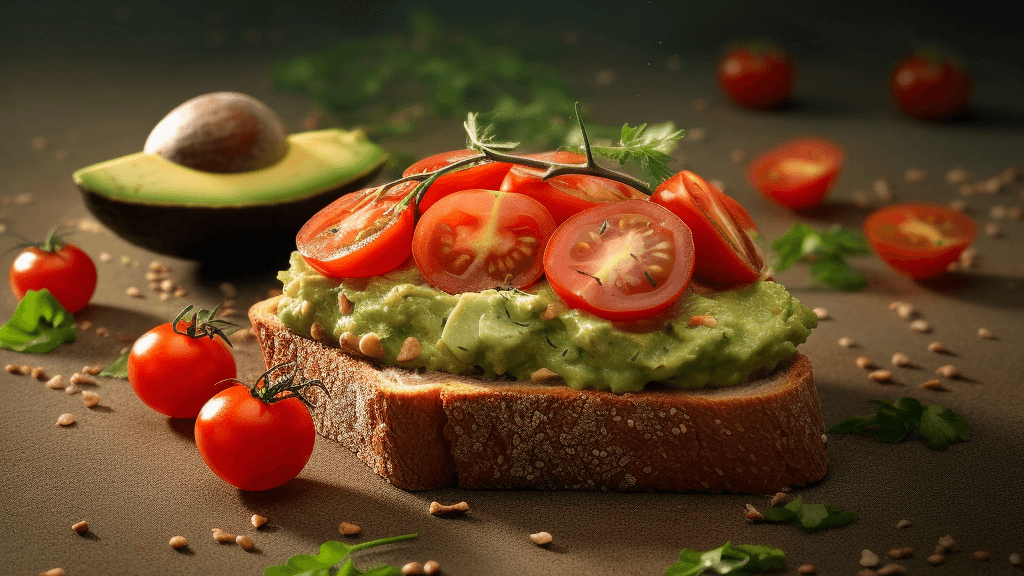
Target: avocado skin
[{"x": 235, "y": 236}]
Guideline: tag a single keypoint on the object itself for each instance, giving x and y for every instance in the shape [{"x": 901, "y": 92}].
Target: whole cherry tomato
[
  {"x": 797, "y": 174},
  {"x": 63, "y": 269},
  {"x": 931, "y": 85},
  {"x": 485, "y": 176},
  {"x": 176, "y": 367},
  {"x": 757, "y": 75},
  {"x": 625, "y": 260},
  {"x": 257, "y": 438},
  {"x": 919, "y": 240},
  {"x": 478, "y": 239}
]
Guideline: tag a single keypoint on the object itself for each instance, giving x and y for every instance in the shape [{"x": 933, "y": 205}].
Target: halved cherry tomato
[
  {"x": 361, "y": 234},
  {"x": 569, "y": 194},
  {"x": 478, "y": 239},
  {"x": 621, "y": 260},
  {"x": 756, "y": 76},
  {"x": 725, "y": 253},
  {"x": 919, "y": 240},
  {"x": 930, "y": 86},
  {"x": 797, "y": 174},
  {"x": 485, "y": 176}
]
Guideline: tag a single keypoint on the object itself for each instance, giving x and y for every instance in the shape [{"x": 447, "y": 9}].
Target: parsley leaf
[
  {"x": 809, "y": 517},
  {"x": 740, "y": 560},
  {"x": 39, "y": 325},
  {"x": 825, "y": 251},
  {"x": 117, "y": 369},
  {"x": 893, "y": 422},
  {"x": 647, "y": 148},
  {"x": 331, "y": 553}
]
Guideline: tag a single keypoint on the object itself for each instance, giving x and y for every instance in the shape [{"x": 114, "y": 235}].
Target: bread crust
[{"x": 429, "y": 430}]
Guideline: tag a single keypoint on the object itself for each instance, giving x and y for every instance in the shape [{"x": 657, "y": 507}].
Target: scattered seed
[
  {"x": 861, "y": 199},
  {"x": 932, "y": 385},
  {"x": 71, "y": 389},
  {"x": 904, "y": 523},
  {"x": 957, "y": 176},
  {"x": 222, "y": 536},
  {"x": 54, "y": 572},
  {"x": 134, "y": 292},
  {"x": 1015, "y": 212},
  {"x": 949, "y": 371},
  {"x": 344, "y": 304},
  {"x": 920, "y": 325},
  {"x": 937, "y": 348},
  {"x": 350, "y": 342},
  {"x": 438, "y": 509},
  {"x": 846, "y": 342},
  {"x": 410, "y": 350},
  {"x": 431, "y": 567},
  {"x": 349, "y": 529},
  {"x": 935, "y": 559},
  {"x": 805, "y": 569},
  {"x": 905, "y": 310},
  {"x": 1009, "y": 175},
  {"x": 997, "y": 212},
  {"x": 228, "y": 290},
  {"x": 101, "y": 331},
  {"x": 880, "y": 375},
  {"x": 258, "y": 520},
  {"x": 882, "y": 190},
  {"x": 80, "y": 527},
  {"x": 56, "y": 383},
  {"x": 985, "y": 334},
  {"x": 868, "y": 559},
  {"x": 181, "y": 292},
  {"x": 915, "y": 175},
  {"x": 737, "y": 155},
  {"x": 958, "y": 205},
  {"x": 370, "y": 345},
  {"x": 866, "y": 572},
  {"x": 980, "y": 555},
  {"x": 92, "y": 370},
  {"x": 412, "y": 568},
  {"x": 90, "y": 398},
  {"x": 24, "y": 369},
  {"x": 177, "y": 542},
  {"x": 1015, "y": 558},
  {"x": 541, "y": 538},
  {"x": 948, "y": 543},
  {"x": 780, "y": 499},
  {"x": 39, "y": 373},
  {"x": 542, "y": 374},
  {"x": 85, "y": 325},
  {"x": 900, "y": 359},
  {"x": 891, "y": 568},
  {"x": 993, "y": 230},
  {"x": 864, "y": 363},
  {"x": 245, "y": 542},
  {"x": 65, "y": 419},
  {"x": 84, "y": 379},
  {"x": 821, "y": 313},
  {"x": 753, "y": 514},
  {"x": 898, "y": 553},
  {"x": 317, "y": 332}
]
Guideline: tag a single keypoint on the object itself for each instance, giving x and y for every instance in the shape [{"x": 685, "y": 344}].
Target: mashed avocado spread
[{"x": 516, "y": 333}]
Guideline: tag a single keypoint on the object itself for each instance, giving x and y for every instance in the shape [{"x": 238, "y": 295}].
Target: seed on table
[
  {"x": 56, "y": 383},
  {"x": 181, "y": 292},
  {"x": 780, "y": 498},
  {"x": 167, "y": 285},
  {"x": 80, "y": 527},
  {"x": 932, "y": 385},
  {"x": 805, "y": 569},
  {"x": 863, "y": 362},
  {"x": 65, "y": 419},
  {"x": 821, "y": 313},
  {"x": 90, "y": 398},
  {"x": 1015, "y": 558},
  {"x": 13, "y": 369},
  {"x": 78, "y": 378},
  {"x": 92, "y": 370},
  {"x": 900, "y": 359},
  {"x": 71, "y": 389},
  {"x": 348, "y": 529},
  {"x": 102, "y": 331},
  {"x": 222, "y": 536},
  {"x": 133, "y": 292},
  {"x": 24, "y": 369},
  {"x": 920, "y": 325},
  {"x": 949, "y": 371},
  {"x": 753, "y": 514},
  {"x": 993, "y": 230},
  {"x": 915, "y": 175},
  {"x": 904, "y": 552},
  {"x": 245, "y": 542},
  {"x": 54, "y": 572},
  {"x": 935, "y": 559},
  {"x": 436, "y": 508},
  {"x": 39, "y": 373},
  {"x": 937, "y": 348},
  {"x": 177, "y": 542},
  {"x": 846, "y": 342},
  {"x": 228, "y": 290},
  {"x": 880, "y": 375},
  {"x": 891, "y": 568},
  {"x": 431, "y": 567},
  {"x": 868, "y": 559},
  {"x": 412, "y": 568},
  {"x": 905, "y": 310},
  {"x": 980, "y": 555},
  {"x": 541, "y": 538},
  {"x": 958, "y": 205},
  {"x": 904, "y": 523},
  {"x": 997, "y": 212},
  {"x": 948, "y": 543},
  {"x": 258, "y": 520},
  {"x": 985, "y": 334}
]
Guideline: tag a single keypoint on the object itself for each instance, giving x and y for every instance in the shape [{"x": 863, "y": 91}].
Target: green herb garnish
[
  {"x": 332, "y": 553},
  {"x": 825, "y": 252},
  {"x": 739, "y": 559},
  {"x": 648, "y": 148},
  {"x": 116, "y": 369},
  {"x": 892, "y": 423},
  {"x": 809, "y": 517},
  {"x": 39, "y": 325}
]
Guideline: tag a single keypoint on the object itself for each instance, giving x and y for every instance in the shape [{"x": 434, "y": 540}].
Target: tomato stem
[
  {"x": 203, "y": 324},
  {"x": 285, "y": 387}
]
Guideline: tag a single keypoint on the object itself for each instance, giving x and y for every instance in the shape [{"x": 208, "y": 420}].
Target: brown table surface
[{"x": 90, "y": 80}]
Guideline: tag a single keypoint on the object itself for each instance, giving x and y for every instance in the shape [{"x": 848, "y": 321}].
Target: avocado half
[{"x": 238, "y": 217}]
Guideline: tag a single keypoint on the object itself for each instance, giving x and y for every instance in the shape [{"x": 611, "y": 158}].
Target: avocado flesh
[{"x": 239, "y": 217}]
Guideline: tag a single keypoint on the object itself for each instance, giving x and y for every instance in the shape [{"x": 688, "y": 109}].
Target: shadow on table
[{"x": 978, "y": 288}]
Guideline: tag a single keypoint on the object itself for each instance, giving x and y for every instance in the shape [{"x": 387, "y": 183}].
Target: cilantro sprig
[
  {"x": 825, "y": 252},
  {"x": 809, "y": 517},
  {"x": 648, "y": 148},
  {"x": 893, "y": 422},
  {"x": 334, "y": 553},
  {"x": 741, "y": 559},
  {"x": 39, "y": 324}
]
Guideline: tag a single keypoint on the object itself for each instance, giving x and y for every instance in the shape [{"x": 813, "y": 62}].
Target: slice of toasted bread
[{"x": 428, "y": 430}]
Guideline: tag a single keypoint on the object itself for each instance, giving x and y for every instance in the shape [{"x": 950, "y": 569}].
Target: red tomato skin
[
  {"x": 714, "y": 260},
  {"x": 69, "y": 274},
  {"x": 930, "y": 88},
  {"x": 799, "y": 194},
  {"x": 253, "y": 445},
  {"x": 755, "y": 78},
  {"x": 175, "y": 374},
  {"x": 561, "y": 271},
  {"x": 384, "y": 252},
  {"x": 916, "y": 261},
  {"x": 487, "y": 176},
  {"x": 556, "y": 194}
]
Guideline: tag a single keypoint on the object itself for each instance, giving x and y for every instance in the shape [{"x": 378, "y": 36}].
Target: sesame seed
[
  {"x": 904, "y": 523},
  {"x": 133, "y": 292},
  {"x": 864, "y": 363},
  {"x": 880, "y": 375},
  {"x": 349, "y": 529},
  {"x": 868, "y": 558},
  {"x": 821, "y": 313},
  {"x": 985, "y": 334},
  {"x": 937, "y": 348},
  {"x": 65, "y": 419},
  {"x": 541, "y": 538},
  {"x": 177, "y": 542},
  {"x": 932, "y": 385},
  {"x": 846, "y": 342},
  {"x": 805, "y": 569},
  {"x": 949, "y": 371},
  {"x": 981, "y": 555},
  {"x": 920, "y": 325},
  {"x": 258, "y": 520},
  {"x": 915, "y": 175},
  {"x": 80, "y": 527},
  {"x": 900, "y": 359}
]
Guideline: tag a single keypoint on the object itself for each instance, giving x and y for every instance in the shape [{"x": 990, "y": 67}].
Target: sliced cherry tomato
[
  {"x": 63, "y": 269},
  {"x": 725, "y": 253},
  {"x": 797, "y": 174},
  {"x": 919, "y": 240},
  {"x": 485, "y": 176},
  {"x": 931, "y": 86},
  {"x": 621, "y": 260},
  {"x": 361, "y": 234},
  {"x": 255, "y": 439},
  {"x": 478, "y": 239},
  {"x": 756, "y": 76},
  {"x": 569, "y": 194},
  {"x": 176, "y": 371}
]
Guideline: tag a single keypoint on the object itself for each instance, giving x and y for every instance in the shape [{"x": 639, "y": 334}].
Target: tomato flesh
[
  {"x": 487, "y": 175},
  {"x": 725, "y": 252},
  {"x": 361, "y": 234},
  {"x": 625, "y": 260},
  {"x": 568, "y": 194},
  {"x": 756, "y": 77},
  {"x": 478, "y": 239},
  {"x": 253, "y": 445},
  {"x": 919, "y": 240},
  {"x": 175, "y": 374},
  {"x": 797, "y": 174},
  {"x": 68, "y": 273},
  {"x": 930, "y": 88}
]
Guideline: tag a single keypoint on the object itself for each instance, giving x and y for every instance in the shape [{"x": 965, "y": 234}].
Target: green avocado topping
[{"x": 515, "y": 333}]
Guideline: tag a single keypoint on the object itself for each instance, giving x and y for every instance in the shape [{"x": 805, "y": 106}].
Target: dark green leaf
[
  {"x": 809, "y": 517},
  {"x": 825, "y": 252},
  {"x": 940, "y": 426},
  {"x": 39, "y": 325},
  {"x": 118, "y": 368},
  {"x": 331, "y": 553},
  {"x": 937, "y": 424},
  {"x": 728, "y": 559},
  {"x": 853, "y": 424}
]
